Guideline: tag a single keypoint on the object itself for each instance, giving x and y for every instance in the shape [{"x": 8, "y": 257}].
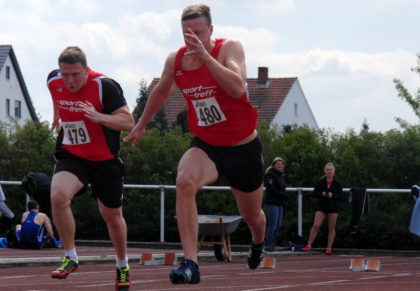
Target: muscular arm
[
  {"x": 43, "y": 219},
  {"x": 56, "y": 119},
  {"x": 229, "y": 70},
  {"x": 48, "y": 226},
  {"x": 156, "y": 100},
  {"x": 120, "y": 119}
]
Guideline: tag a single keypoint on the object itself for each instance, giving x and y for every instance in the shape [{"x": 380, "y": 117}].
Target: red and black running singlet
[
  {"x": 80, "y": 136},
  {"x": 213, "y": 115}
]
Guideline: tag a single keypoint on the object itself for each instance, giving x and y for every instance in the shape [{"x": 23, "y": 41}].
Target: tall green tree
[
  {"x": 141, "y": 100},
  {"x": 159, "y": 121},
  {"x": 182, "y": 121},
  {"x": 404, "y": 94}
]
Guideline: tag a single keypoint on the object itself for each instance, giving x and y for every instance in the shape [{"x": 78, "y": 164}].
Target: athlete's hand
[
  {"x": 195, "y": 46},
  {"x": 56, "y": 119},
  {"x": 135, "y": 135},
  {"x": 55, "y": 124},
  {"x": 90, "y": 112}
]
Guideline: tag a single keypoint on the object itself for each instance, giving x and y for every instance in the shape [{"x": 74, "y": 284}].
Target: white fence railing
[{"x": 298, "y": 190}]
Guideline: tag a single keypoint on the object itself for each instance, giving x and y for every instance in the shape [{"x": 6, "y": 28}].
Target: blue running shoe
[{"x": 187, "y": 273}]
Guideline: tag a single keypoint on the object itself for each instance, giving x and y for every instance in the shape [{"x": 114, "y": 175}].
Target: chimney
[{"x": 262, "y": 75}]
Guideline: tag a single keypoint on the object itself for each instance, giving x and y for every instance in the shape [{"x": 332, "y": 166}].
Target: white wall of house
[
  {"x": 295, "y": 109},
  {"x": 10, "y": 90}
]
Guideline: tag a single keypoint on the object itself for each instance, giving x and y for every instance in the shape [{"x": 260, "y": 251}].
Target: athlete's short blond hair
[
  {"x": 72, "y": 55},
  {"x": 195, "y": 11}
]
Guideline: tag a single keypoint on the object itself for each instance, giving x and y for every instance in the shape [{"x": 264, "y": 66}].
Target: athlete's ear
[{"x": 211, "y": 29}]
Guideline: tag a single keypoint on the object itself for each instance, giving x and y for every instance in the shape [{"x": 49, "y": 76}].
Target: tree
[
  {"x": 141, "y": 101},
  {"x": 160, "y": 120},
  {"x": 182, "y": 121},
  {"x": 403, "y": 93}
]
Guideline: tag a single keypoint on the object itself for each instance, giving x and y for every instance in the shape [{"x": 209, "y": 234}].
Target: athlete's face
[
  {"x": 74, "y": 76},
  {"x": 200, "y": 28}
]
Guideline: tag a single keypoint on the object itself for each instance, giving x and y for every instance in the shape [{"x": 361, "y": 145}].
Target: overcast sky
[{"x": 344, "y": 53}]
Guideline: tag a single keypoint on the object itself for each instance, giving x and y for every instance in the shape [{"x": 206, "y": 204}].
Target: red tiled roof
[{"x": 267, "y": 99}]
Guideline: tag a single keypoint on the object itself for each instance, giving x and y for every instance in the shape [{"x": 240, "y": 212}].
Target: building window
[
  {"x": 296, "y": 110},
  {"x": 18, "y": 109},
  {"x": 7, "y": 73},
  {"x": 7, "y": 107}
]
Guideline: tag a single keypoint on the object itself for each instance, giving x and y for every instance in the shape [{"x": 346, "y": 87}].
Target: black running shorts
[
  {"x": 241, "y": 165},
  {"x": 104, "y": 177},
  {"x": 328, "y": 209}
]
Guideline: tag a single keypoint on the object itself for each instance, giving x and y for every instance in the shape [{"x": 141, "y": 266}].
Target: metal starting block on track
[
  {"x": 148, "y": 259},
  {"x": 362, "y": 265}
]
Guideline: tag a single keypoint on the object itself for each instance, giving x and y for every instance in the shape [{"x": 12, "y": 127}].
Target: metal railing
[{"x": 162, "y": 189}]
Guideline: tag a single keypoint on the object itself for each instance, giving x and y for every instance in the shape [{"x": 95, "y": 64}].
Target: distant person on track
[
  {"x": 93, "y": 111},
  {"x": 275, "y": 197},
  {"x": 329, "y": 193},
  {"x": 36, "y": 230},
  {"x": 211, "y": 73}
]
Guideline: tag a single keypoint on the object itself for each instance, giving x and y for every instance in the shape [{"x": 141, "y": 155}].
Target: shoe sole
[
  {"x": 58, "y": 276},
  {"x": 63, "y": 276}
]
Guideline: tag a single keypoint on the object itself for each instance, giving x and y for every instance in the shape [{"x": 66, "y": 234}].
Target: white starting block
[
  {"x": 148, "y": 259},
  {"x": 373, "y": 265},
  {"x": 362, "y": 265},
  {"x": 268, "y": 263},
  {"x": 358, "y": 265}
]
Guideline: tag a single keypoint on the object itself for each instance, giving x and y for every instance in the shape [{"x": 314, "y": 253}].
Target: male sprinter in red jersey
[
  {"x": 92, "y": 110},
  {"x": 211, "y": 74}
]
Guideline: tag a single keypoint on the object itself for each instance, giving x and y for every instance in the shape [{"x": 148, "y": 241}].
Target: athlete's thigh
[
  {"x": 248, "y": 202},
  {"x": 65, "y": 183},
  {"x": 197, "y": 167}
]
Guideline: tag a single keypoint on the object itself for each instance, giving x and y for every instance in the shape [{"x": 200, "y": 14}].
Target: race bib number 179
[
  {"x": 208, "y": 111},
  {"x": 75, "y": 133}
]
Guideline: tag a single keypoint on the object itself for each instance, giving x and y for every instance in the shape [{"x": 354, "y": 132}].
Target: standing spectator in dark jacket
[
  {"x": 275, "y": 195},
  {"x": 329, "y": 192}
]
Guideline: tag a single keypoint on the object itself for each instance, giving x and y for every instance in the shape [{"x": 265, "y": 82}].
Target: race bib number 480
[
  {"x": 75, "y": 133},
  {"x": 208, "y": 111}
]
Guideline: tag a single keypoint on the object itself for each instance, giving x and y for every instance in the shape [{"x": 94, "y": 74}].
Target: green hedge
[{"x": 367, "y": 159}]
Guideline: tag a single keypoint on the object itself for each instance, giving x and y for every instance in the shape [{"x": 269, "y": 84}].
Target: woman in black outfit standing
[
  {"x": 329, "y": 192},
  {"x": 275, "y": 195}
]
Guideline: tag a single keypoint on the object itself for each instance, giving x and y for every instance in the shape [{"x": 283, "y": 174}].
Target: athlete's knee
[
  {"x": 185, "y": 183},
  {"x": 59, "y": 199},
  {"x": 112, "y": 215},
  {"x": 254, "y": 216}
]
